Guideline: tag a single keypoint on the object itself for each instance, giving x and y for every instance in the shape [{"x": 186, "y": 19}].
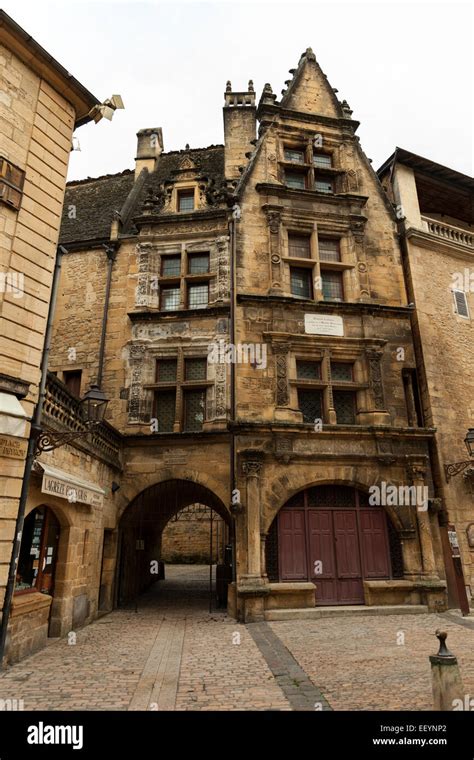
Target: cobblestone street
[{"x": 174, "y": 655}]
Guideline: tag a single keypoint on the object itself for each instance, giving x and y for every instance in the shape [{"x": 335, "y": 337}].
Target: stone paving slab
[{"x": 174, "y": 655}]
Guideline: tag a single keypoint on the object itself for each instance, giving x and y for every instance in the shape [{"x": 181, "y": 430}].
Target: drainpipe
[
  {"x": 232, "y": 229},
  {"x": 35, "y": 431},
  {"x": 111, "y": 253}
]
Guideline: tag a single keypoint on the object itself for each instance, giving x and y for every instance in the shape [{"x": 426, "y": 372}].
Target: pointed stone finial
[
  {"x": 228, "y": 87},
  {"x": 268, "y": 96},
  {"x": 251, "y": 89},
  {"x": 309, "y": 55},
  {"x": 186, "y": 147},
  {"x": 346, "y": 109},
  {"x": 292, "y": 71}
]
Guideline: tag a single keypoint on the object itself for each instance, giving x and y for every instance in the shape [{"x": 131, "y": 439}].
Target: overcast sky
[{"x": 406, "y": 69}]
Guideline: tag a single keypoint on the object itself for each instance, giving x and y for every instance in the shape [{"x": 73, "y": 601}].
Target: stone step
[{"x": 315, "y": 613}]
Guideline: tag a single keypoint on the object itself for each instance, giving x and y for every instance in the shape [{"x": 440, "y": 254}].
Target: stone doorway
[{"x": 173, "y": 531}]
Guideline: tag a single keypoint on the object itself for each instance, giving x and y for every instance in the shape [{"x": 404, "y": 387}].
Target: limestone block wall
[
  {"x": 36, "y": 125},
  {"x": 448, "y": 356},
  {"x": 188, "y": 540}
]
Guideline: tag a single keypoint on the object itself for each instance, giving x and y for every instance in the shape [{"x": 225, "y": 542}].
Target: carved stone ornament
[
  {"x": 281, "y": 370},
  {"x": 375, "y": 377},
  {"x": 274, "y": 220}
]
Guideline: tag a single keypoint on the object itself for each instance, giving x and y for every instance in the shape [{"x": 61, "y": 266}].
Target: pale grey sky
[{"x": 406, "y": 69}]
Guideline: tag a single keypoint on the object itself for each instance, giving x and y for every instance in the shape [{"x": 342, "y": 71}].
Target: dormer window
[{"x": 185, "y": 200}]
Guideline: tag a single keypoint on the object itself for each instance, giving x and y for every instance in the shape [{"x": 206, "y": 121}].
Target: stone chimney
[
  {"x": 149, "y": 149},
  {"x": 240, "y": 124}
]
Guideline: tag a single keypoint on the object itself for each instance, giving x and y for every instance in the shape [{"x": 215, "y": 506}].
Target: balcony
[
  {"x": 62, "y": 412},
  {"x": 448, "y": 232}
]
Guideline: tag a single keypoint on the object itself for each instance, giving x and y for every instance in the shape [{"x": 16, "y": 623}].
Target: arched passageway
[
  {"x": 141, "y": 547},
  {"x": 332, "y": 536}
]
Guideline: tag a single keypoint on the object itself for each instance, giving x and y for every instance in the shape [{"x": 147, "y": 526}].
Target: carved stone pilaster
[
  {"x": 223, "y": 269},
  {"x": 221, "y": 390},
  {"x": 273, "y": 214},
  {"x": 374, "y": 357},
  {"x": 141, "y": 295},
  {"x": 136, "y": 355},
  {"x": 251, "y": 468},
  {"x": 280, "y": 351}
]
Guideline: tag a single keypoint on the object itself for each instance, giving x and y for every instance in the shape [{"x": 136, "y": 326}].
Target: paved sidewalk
[{"x": 174, "y": 655}]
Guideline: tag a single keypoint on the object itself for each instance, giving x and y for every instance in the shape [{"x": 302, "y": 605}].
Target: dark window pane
[
  {"x": 299, "y": 246},
  {"x": 165, "y": 404},
  {"x": 171, "y": 266},
  {"x": 311, "y": 404},
  {"x": 198, "y": 296},
  {"x": 297, "y": 156},
  {"x": 296, "y": 180},
  {"x": 186, "y": 200},
  {"x": 332, "y": 285},
  {"x": 324, "y": 186},
  {"x": 301, "y": 282},
  {"x": 308, "y": 370},
  {"x": 166, "y": 370},
  {"x": 323, "y": 160},
  {"x": 169, "y": 299},
  {"x": 195, "y": 369},
  {"x": 194, "y": 409},
  {"x": 345, "y": 406},
  {"x": 72, "y": 381},
  {"x": 198, "y": 263},
  {"x": 341, "y": 372},
  {"x": 329, "y": 250}
]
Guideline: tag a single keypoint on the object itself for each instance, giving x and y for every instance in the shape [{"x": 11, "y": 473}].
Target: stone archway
[
  {"x": 330, "y": 535},
  {"x": 141, "y": 528}
]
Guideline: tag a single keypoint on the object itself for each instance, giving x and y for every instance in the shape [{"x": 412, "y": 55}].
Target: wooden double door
[{"x": 335, "y": 548}]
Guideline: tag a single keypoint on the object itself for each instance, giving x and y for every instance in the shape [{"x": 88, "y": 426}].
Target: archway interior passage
[
  {"x": 332, "y": 536},
  {"x": 142, "y": 526}
]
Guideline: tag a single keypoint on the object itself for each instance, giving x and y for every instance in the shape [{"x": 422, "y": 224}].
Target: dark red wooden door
[
  {"x": 292, "y": 545},
  {"x": 373, "y": 536},
  {"x": 322, "y": 561},
  {"x": 336, "y": 548},
  {"x": 348, "y": 565}
]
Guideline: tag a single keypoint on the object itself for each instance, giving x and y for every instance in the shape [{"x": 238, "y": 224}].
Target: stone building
[
  {"x": 244, "y": 309},
  {"x": 40, "y": 106},
  {"x": 436, "y": 210}
]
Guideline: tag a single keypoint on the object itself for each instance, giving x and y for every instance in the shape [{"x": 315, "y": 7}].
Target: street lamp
[
  {"x": 456, "y": 467},
  {"x": 93, "y": 407},
  {"x": 469, "y": 441}
]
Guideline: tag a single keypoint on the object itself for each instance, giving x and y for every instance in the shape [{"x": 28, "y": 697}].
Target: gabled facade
[{"x": 245, "y": 311}]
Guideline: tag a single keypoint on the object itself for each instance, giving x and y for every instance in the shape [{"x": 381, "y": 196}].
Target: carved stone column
[
  {"x": 417, "y": 473},
  {"x": 252, "y": 468},
  {"x": 376, "y": 414}
]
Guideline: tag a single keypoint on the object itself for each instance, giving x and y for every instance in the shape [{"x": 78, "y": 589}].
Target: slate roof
[{"x": 96, "y": 199}]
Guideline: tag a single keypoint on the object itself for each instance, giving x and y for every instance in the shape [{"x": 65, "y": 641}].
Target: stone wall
[{"x": 187, "y": 539}]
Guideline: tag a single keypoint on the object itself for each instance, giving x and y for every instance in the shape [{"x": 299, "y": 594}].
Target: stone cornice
[
  {"x": 435, "y": 243},
  {"x": 339, "y": 307},
  {"x": 271, "y": 188},
  {"x": 309, "y": 118},
  {"x": 153, "y": 315}
]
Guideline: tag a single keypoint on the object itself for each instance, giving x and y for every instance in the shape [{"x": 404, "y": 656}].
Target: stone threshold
[{"x": 315, "y": 613}]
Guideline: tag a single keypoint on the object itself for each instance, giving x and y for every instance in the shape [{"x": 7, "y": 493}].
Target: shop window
[{"x": 38, "y": 552}]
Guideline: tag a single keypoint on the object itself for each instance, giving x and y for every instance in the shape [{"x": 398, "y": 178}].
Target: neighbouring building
[
  {"x": 435, "y": 206},
  {"x": 244, "y": 309},
  {"x": 40, "y": 105}
]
